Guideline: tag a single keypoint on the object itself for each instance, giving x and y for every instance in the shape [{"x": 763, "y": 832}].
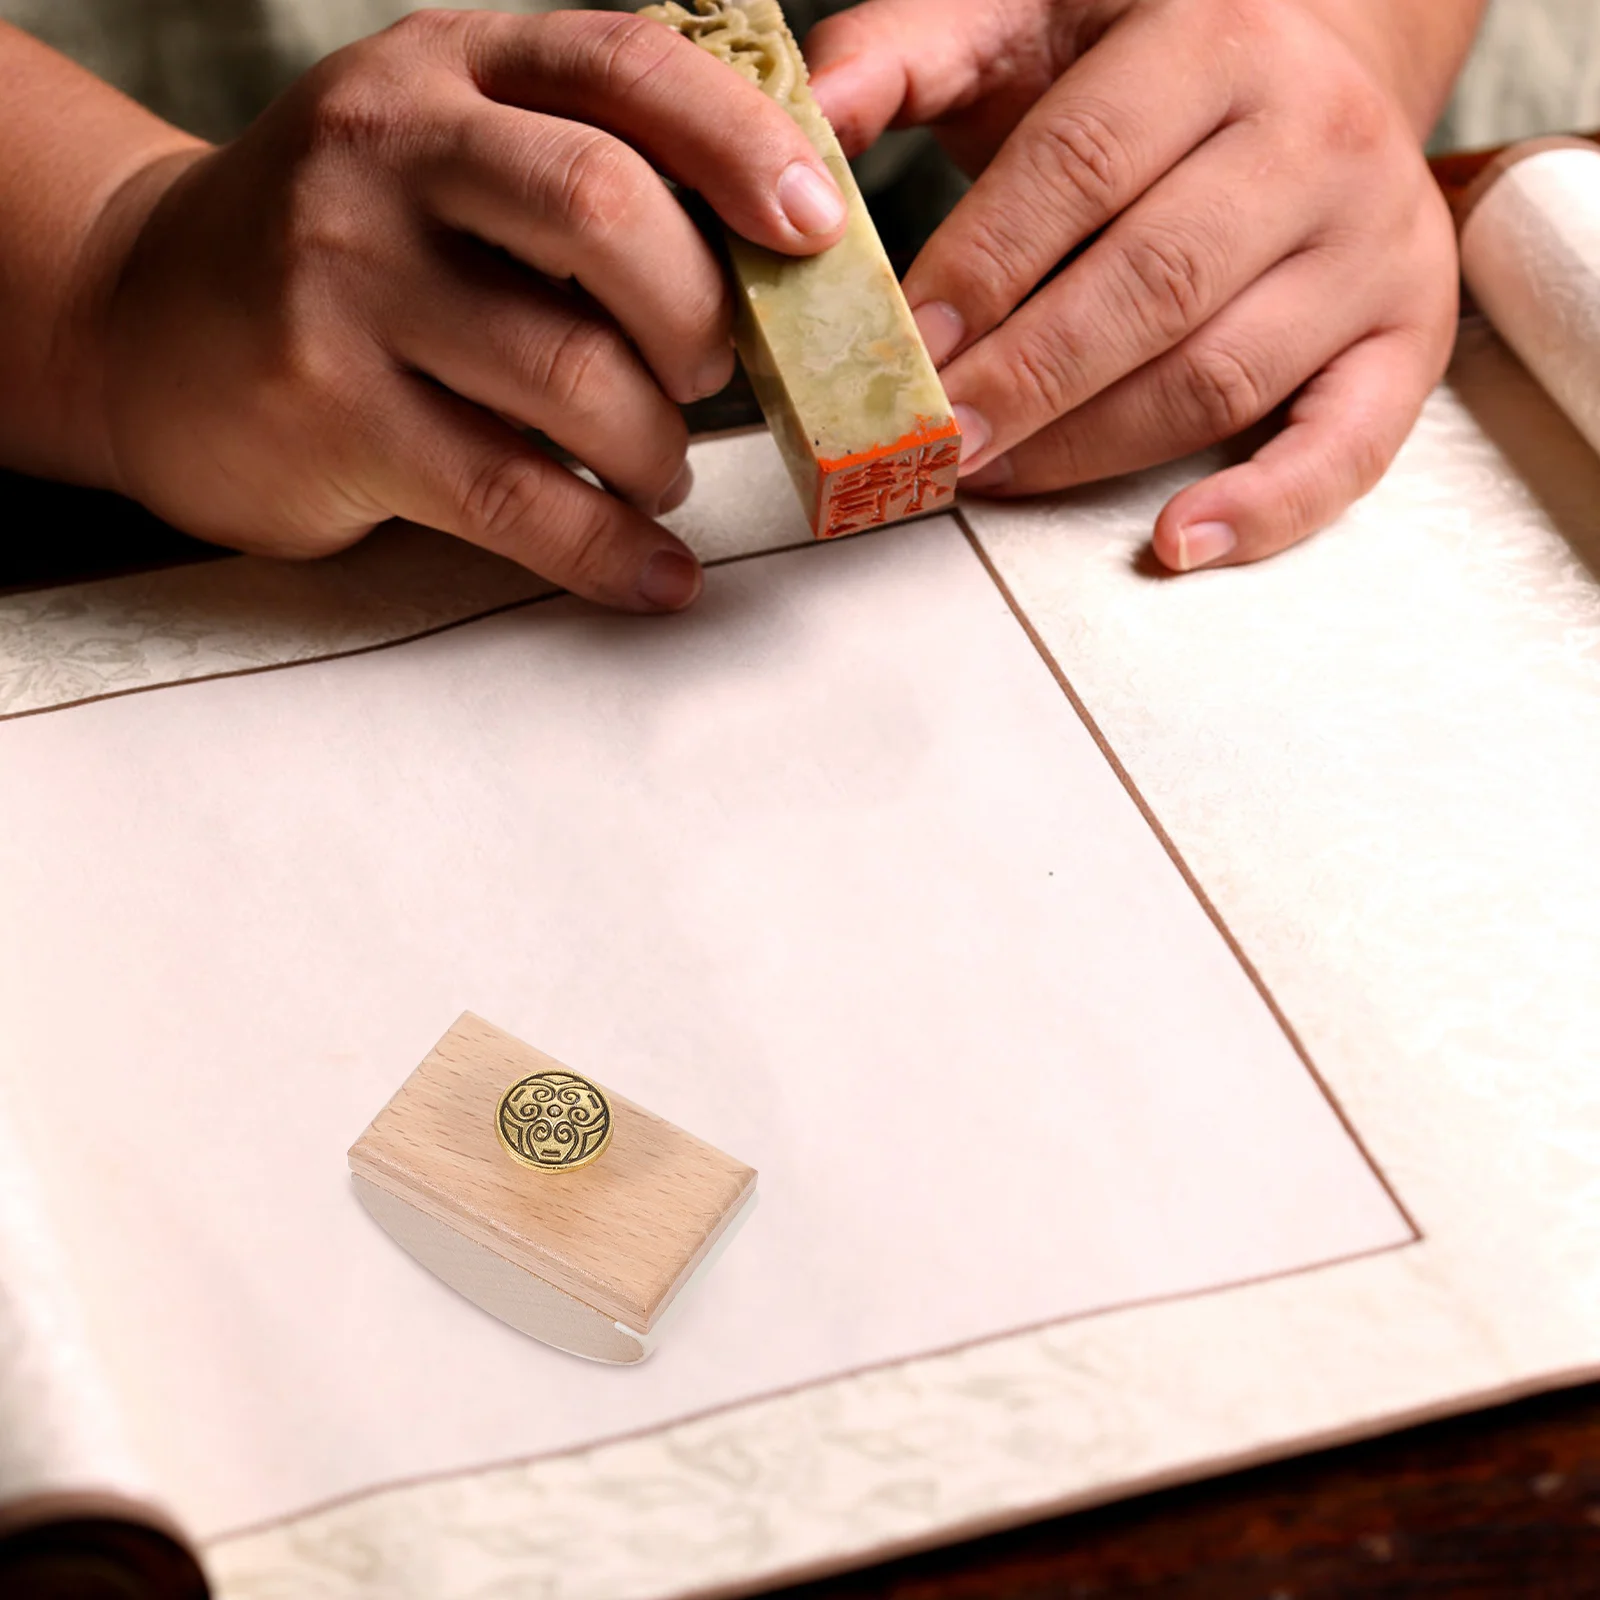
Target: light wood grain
[{"x": 621, "y": 1235}]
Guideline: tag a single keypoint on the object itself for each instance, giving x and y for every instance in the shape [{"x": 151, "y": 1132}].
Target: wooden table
[{"x": 1503, "y": 1503}]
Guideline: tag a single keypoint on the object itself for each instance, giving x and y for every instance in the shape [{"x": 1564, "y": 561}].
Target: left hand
[{"x": 1254, "y": 219}]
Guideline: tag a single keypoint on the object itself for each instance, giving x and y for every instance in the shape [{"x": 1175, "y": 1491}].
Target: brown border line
[
  {"x": 275, "y": 666},
  {"x": 506, "y": 1463},
  {"x": 958, "y": 516},
  {"x": 1126, "y": 780},
  {"x": 371, "y": 1491},
  {"x": 354, "y": 650},
  {"x": 419, "y": 1480}
]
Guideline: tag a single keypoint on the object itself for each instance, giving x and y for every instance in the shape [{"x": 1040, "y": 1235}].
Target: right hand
[
  {"x": 450, "y": 228},
  {"x": 1235, "y": 194}
]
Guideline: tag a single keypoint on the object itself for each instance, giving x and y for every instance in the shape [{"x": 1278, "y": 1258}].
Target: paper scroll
[{"x": 1530, "y": 253}]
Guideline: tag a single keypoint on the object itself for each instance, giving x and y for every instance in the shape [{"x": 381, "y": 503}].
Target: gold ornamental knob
[{"x": 554, "y": 1121}]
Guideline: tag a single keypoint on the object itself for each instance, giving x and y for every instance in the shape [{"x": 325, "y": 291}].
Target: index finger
[
  {"x": 697, "y": 120},
  {"x": 1091, "y": 146}
]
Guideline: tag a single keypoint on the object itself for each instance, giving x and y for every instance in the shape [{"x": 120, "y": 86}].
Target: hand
[
  {"x": 437, "y": 233},
  {"x": 1255, "y": 219}
]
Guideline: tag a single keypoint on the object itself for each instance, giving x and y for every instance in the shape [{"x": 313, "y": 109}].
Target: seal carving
[{"x": 555, "y": 1121}]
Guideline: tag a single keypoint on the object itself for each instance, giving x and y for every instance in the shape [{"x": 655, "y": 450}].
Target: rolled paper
[
  {"x": 828, "y": 341},
  {"x": 1530, "y": 254}
]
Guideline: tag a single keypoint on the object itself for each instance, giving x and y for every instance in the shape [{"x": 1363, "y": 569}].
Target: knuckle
[
  {"x": 598, "y": 188},
  {"x": 361, "y": 111},
  {"x": 306, "y": 366},
  {"x": 322, "y": 233},
  {"x": 509, "y": 501},
  {"x": 1077, "y": 146},
  {"x": 1170, "y": 280},
  {"x": 1050, "y": 375},
  {"x": 569, "y": 370},
  {"x": 1222, "y": 388},
  {"x": 1357, "y": 121},
  {"x": 309, "y": 359},
  {"x": 379, "y": 96},
  {"x": 587, "y": 548},
  {"x": 623, "y": 52},
  {"x": 992, "y": 259},
  {"x": 425, "y": 29}
]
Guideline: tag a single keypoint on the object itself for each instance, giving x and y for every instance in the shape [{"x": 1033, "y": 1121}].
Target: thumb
[{"x": 890, "y": 63}]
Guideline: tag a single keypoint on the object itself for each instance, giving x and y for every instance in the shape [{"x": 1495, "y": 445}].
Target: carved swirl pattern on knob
[{"x": 554, "y": 1121}]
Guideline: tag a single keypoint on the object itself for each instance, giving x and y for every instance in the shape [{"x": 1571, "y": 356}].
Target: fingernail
[
  {"x": 995, "y": 475},
  {"x": 669, "y": 581},
  {"x": 941, "y": 328},
  {"x": 974, "y": 431},
  {"x": 1202, "y": 543},
  {"x": 679, "y": 492},
  {"x": 714, "y": 376},
  {"x": 810, "y": 199}
]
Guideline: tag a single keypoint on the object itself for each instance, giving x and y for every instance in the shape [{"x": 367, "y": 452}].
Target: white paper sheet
[{"x": 827, "y": 871}]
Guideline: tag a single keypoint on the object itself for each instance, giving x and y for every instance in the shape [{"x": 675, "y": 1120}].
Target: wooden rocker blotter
[{"x": 562, "y": 1209}]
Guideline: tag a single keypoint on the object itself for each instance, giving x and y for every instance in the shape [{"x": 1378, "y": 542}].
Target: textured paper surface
[
  {"x": 1379, "y": 753},
  {"x": 828, "y": 871}
]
